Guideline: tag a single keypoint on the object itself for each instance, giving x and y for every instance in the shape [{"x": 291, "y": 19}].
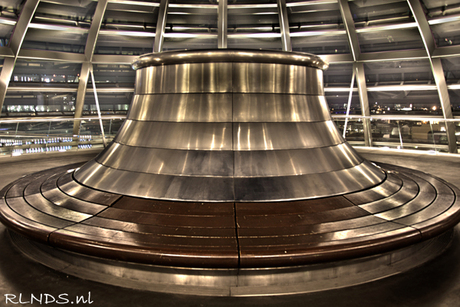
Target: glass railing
[
  {"x": 33, "y": 136},
  {"x": 420, "y": 133},
  {"x": 42, "y": 135}
]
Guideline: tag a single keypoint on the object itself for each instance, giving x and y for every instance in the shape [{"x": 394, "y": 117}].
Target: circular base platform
[
  {"x": 407, "y": 208},
  {"x": 235, "y": 282}
]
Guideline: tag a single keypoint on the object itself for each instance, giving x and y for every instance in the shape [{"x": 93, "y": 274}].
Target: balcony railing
[{"x": 44, "y": 135}]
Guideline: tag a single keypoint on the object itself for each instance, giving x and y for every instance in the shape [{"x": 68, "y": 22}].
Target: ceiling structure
[{"x": 403, "y": 57}]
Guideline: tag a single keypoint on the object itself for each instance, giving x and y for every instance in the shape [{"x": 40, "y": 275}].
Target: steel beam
[
  {"x": 161, "y": 25},
  {"x": 222, "y": 24},
  {"x": 81, "y": 93},
  {"x": 350, "y": 27},
  {"x": 436, "y": 67},
  {"x": 17, "y": 38},
  {"x": 87, "y": 66},
  {"x": 423, "y": 26},
  {"x": 94, "y": 29},
  {"x": 284, "y": 26},
  {"x": 444, "y": 99},
  {"x": 364, "y": 101}
]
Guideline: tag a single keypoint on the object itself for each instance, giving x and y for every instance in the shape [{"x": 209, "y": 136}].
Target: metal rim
[{"x": 230, "y": 55}]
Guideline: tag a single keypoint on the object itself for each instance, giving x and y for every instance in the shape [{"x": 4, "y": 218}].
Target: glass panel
[
  {"x": 385, "y": 26},
  {"x": 35, "y": 136},
  {"x": 338, "y": 103},
  {"x": 317, "y": 33},
  {"x": 451, "y": 67},
  {"x": 436, "y": 8},
  {"x": 446, "y": 34},
  {"x": 409, "y": 134},
  {"x": 108, "y": 75},
  {"x": 373, "y": 13},
  {"x": 404, "y": 102},
  {"x": 191, "y": 25},
  {"x": 355, "y": 130},
  {"x": 399, "y": 72},
  {"x": 45, "y": 73},
  {"x": 60, "y": 27},
  {"x": 5, "y": 34},
  {"x": 338, "y": 75},
  {"x": 253, "y": 25},
  {"x": 110, "y": 103},
  {"x": 10, "y": 10},
  {"x": 387, "y": 40},
  {"x": 39, "y": 103},
  {"x": 420, "y": 134},
  {"x": 128, "y": 29},
  {"x": 454, "y": 96}
]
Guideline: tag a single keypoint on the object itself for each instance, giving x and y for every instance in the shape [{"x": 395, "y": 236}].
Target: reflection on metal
[
  {"x": 229, "y": 125},
  {"x": 350, "y": 27},
  {"x": 161, "y": 24},
  {"x": 98, "y": 107},
  {"x": 222, "y": 24},
  {"x": 358, "y": 68},
  {"x": 284, "y": 25}
]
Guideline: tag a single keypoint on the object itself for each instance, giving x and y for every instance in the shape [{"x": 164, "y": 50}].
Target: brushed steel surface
[
  {"x": 270, "y": 136},
  {"x": 190, "y": 136},
  {"x": 276, "y": 78},
  {"x": 219, "y": 189},
  {"x": 155, "y": 186},
  {"x": 185, "y": 78},
  {"x": 182, "y": 108},
  {"x": 265, "y": 163},
  {"x": 229, "y": 125},
  {"x": 230, "y": 55},
  {"x": 279, "y": 108},
  {"x": 168, "y": 161},
  {"x": 299, "y": 187}
]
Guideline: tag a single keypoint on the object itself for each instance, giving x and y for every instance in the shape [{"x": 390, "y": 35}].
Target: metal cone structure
[
  {"x": 229, "y": 126},
  {"x": 229, "y": 178}
]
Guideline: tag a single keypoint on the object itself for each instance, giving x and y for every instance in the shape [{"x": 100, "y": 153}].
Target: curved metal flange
[
  {"x": 236, "y": 282},
  {"x": 230, "y": 55}
]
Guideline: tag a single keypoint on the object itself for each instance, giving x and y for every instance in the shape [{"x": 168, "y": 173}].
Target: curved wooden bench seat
[{"x": 406, "y": 208}]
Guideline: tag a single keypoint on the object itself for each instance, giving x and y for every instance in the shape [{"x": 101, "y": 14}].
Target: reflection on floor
[{"x": 437, "y": 283}]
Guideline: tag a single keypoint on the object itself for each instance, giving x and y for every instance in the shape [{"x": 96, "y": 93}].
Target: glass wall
[{"x": 384, "y": 37}]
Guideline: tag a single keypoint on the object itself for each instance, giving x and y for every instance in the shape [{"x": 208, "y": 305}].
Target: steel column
[
  {"x": 284, "y": 26},
  {"x": 93, "y": 33},
  {"x": 17, "y": 38},
  {"x": 222, "y": 24},
  {"x": 436, "y": 67},
  {"x": 364, "y": 101},
  {"x": 350, "y": 27},
  {"x": 161, "y": 24}
]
